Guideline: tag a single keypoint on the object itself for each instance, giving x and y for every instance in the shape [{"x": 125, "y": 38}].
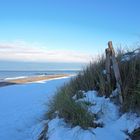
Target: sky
[{"x": 62, "y": 32}]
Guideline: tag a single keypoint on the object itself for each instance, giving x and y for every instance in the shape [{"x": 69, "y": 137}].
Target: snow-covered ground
[
  {"x": 115, "y": 125},
  {"x": 22, "y": 108}
]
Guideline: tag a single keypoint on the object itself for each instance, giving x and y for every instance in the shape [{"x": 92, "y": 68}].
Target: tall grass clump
[
  {"x": 130, "y": 74},
  {"x": 93, "y": 78},
  {"x": 75, "y": 113}
]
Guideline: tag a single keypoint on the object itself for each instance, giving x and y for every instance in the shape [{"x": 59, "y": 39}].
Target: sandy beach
[{"x": 31, "y": 79}]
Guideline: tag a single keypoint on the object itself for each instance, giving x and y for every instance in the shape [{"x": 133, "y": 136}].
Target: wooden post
[
  {"x": 108, "y": 71},
  {"x": 116, "y": 71}
]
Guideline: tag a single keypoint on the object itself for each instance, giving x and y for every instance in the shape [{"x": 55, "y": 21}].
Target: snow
[
  {"x": 58, "y": 130},
  {"x": 128, "y": 122},
  {"x": 104, "y": 72},
  {"x": 105, "y": 110},
  {"x": 15, "y": 78},
  {"x": 128, "y": 56},
  {"x": 22, "y": 108},
  {"x": 114, "y": 93},
  {"x": 114, "y": 124}
]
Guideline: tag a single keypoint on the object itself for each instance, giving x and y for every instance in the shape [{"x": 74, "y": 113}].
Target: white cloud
[{"x": 32, "y": 52}]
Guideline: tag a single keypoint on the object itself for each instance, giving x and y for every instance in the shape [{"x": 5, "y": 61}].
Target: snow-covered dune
[
  {"x": 22, "y": 107},
  {"x": 115, "y": 125}
]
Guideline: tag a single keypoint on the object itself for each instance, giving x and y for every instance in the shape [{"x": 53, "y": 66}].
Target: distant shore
[{"x": 31, "y": 79}]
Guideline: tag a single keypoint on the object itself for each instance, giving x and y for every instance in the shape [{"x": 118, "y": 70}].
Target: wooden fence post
[
  {"x": 116, "y": 71},
  {"x": 108, "y": 71}
]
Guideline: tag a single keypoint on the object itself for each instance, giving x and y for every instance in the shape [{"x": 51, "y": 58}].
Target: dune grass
[
  {"x": 93, "y": 78},
  {"x": 130, "y": 73},
  {"x": 73, "y": 112}
]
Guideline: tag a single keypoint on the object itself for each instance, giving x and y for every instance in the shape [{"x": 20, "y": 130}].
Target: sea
[{"x": 21, "y": 74}]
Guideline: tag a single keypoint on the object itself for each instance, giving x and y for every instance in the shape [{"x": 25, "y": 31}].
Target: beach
[
  {"x": 24, "y": 80},
  {"x": 22, "y": 106}
]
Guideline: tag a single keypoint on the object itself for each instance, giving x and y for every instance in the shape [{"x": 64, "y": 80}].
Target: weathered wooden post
[
  {"x": 116, "y": 71},
  {"x": 108, "y": 71}
]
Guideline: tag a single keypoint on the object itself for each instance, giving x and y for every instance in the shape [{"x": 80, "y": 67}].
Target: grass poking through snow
[{"x": 93, "y": 77}]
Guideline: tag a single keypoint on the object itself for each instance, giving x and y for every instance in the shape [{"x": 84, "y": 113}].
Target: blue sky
[{"x": 66, "y": 27}]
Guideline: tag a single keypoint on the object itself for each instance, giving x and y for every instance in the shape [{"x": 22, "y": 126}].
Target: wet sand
[{"x": 31, "y": 79}]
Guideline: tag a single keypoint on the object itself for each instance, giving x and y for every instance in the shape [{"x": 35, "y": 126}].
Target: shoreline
[{"x": 26, "y": 80}]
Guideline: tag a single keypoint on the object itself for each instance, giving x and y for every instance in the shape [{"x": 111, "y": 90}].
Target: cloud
[{"x": 33, "y": 52}]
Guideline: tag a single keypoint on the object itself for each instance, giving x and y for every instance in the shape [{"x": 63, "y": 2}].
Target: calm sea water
[{"x": 13, "y": 74}]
